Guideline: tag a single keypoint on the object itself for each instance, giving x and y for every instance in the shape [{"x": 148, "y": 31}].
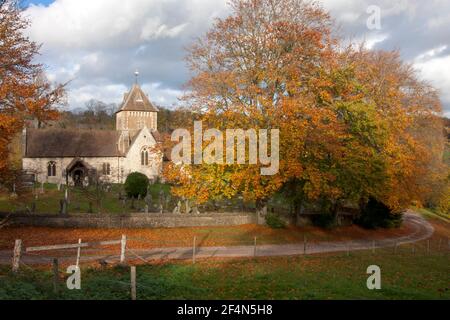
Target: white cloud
[
  {"x": 437, "y": 72},
  {"x": 99, "y": 43}
]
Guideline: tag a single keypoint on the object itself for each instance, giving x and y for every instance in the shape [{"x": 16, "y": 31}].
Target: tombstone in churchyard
[
  {"x": 63, "y": 207},
  {"x": 59, "y": 186},
  {"x": 149, "y": 199},
  {"x": 33, "y": 207},
  {"x": 42, "y": 187},
  {"x": 177, "y": 209},
  {"x": 66, "y": 195},
  {"x": 14, "y": 194},
  {"x": 146, "y": 209},
  {"x": 168, "y": 199},
  {"x": 161, "y": 201}
]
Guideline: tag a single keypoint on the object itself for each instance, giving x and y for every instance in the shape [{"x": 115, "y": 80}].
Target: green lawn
[
  {"x": 404, "y": 276},
  {"x": 48, "y": 201}
]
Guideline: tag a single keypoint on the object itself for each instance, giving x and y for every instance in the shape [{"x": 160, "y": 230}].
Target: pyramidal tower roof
[{"x": 137, "y": 100}]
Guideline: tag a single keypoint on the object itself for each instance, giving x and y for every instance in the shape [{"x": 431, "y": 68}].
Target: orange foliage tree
[
  {"x": 24, "y": 92},
  {"x": 350, "y": 120}
]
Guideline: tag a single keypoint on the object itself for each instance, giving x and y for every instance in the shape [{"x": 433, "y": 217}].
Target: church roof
[
  {"x": 137, "y": 100},
  {"x": 54, "y": 143}
]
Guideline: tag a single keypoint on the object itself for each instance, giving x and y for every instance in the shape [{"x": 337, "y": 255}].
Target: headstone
[
  {"x": 59, "y": 186},
  {"x": 148, "y": 200},
  {"x": 42, "y": 187},
  {"x": 161, "y": 201},
  {"x": 146, "y": 209},
  {"x": 63, "y": 207},
  {"x": 177, "y": 209}
]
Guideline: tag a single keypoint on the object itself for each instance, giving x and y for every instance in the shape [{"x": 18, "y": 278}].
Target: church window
[
  {"x": 106, "y": 169},
  {"x": 144, "y": 157},
  {"x": 51, "y": 169}
]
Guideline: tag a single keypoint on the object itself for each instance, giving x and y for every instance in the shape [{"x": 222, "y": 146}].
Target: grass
[
  {"x": 410, "y": 272},
  {"x": 338, "y": 276},
  {"x": 48, "y": 202}
]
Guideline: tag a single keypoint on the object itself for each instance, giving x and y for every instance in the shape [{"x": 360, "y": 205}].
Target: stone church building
[{"x": 75, "y": 157}]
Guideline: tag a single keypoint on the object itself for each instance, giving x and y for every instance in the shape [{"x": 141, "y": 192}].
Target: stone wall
[{"x": 137, "y": 220}]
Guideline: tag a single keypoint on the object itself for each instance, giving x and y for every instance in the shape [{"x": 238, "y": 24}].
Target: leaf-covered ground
[{"x": 206, "y": 236}]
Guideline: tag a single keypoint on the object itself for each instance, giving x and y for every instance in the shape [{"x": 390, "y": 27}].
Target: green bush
[
  {"x": 136, "y": 185},
  {"x": 274, "y": 221},
  {"x": 377, "y": 215}
]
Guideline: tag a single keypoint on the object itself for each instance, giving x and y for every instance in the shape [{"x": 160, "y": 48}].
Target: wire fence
[{"x": 31, "y": 259}]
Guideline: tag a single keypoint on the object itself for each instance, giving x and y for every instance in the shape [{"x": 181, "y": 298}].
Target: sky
[{"x": 98, "y": 44}]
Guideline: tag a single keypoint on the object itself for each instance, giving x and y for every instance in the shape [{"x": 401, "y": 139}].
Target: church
[{"x": 76, "y": 157}]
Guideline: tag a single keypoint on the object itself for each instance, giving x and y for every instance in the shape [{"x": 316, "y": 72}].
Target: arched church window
[
  {"x": 144, "y": 157},
  {"x": 51, "y": 169}
]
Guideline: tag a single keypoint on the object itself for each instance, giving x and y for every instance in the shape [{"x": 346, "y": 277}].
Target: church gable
[{"x": 137, "y": 100}]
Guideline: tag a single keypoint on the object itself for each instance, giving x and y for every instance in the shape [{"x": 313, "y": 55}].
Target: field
[
  {"x": 411, "y": 272},
  {"x": 404, "y": 276}
]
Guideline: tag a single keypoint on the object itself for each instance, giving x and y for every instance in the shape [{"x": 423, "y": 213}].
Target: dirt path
[{"x": 421, "y": 230}]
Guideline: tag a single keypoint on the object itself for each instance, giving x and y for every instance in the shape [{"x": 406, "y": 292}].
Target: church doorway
[
  {"x": 80, "y": 172},
  {"x": 78, "y": 177}
]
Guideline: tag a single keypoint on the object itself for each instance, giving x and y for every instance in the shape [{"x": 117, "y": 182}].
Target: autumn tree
[
  {"x": 350, "y": 120},
  {"x": 24, "y": 92}
]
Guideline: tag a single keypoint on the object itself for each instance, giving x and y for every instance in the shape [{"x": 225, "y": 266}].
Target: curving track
[{"x": 422, "y": 230}]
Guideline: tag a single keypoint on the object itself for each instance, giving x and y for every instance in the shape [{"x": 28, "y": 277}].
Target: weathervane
[{"x": 136, "y": 74}]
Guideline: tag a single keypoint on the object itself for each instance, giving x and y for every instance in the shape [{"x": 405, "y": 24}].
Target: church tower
[{"x": 135, "y": 113}]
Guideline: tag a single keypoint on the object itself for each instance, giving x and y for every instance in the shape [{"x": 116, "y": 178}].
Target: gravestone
[
  {"x": 63, "y": 207},
  {"x": 161, "y": 201},
  {"x": 177, "y": 209},
  {"x": 148, "y": 200}
]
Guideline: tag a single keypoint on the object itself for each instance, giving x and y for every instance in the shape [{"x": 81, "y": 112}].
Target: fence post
[
  {"x": 304, "y": 244},
  {"x": 193, "y": 250},
  {"x": 254, "y": 249},
  {"x": 78, "y": 253},
  {"x": 133, "y": 283},
  {"x": 123, "y": 246},
  {"x": 16, "y": 255},
  {"x": 55, "y": 275}
]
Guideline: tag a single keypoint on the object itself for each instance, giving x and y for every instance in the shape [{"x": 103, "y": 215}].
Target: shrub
[
  {"x": 324, "y": 220},
  {"x": 136, "y": 185},
  {"x": 376, "y": 214},
  {"x": 275, "y": 222}
]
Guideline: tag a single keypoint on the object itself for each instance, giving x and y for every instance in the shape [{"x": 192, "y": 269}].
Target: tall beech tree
[
  {"x": 24, "y": 92},
  {"x": 350, "y": 120}
]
